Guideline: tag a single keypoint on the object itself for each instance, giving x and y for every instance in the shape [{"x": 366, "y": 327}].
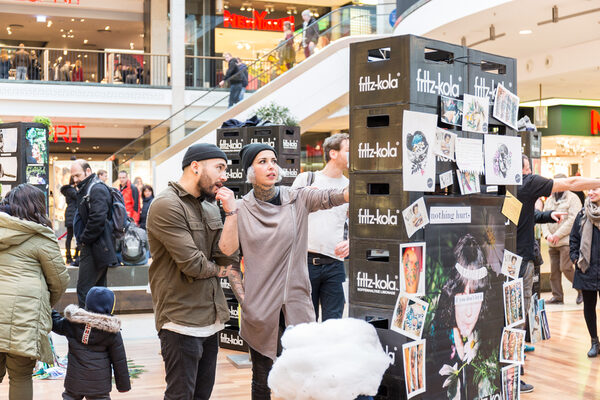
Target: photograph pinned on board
[
  {"x": 512, "y": 346},
  {"x": 8, "y": 168},
  {"x": 8, "y": 140},
  {"x": 414, "y": 318},
  {"x": 468, "y": 182},
  {"x": 36, "y": 146},
  {"x": 511, "y": 382},
  {"x": 446, "y": 179},
  {"x": 418, "y": 160},
  {"x": 514, "y": 308},
  {"x": 475, "y": 113},
  {"x": 535, "y": 325},
  {"x": 469, "y": 155},
  {"x": 399, "y": 311},
  {"x": 506, "y": 106},
  {"x": 412, "y": 268},
  {"x": 545, "y": 327},
  {"x": 413, "y": 354},
  {"x": 503, "y": 162},
  {"x": 4, "y": 189},
  {"x": 451, "y": 111},
  {"x": 511, "y": 263},
  {"x": 445, "y": 142},
  {"x": 36, "y": 174},
  {"x": 415, "y": 216}
]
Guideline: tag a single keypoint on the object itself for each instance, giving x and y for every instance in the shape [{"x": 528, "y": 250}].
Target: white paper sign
[
  {"x": 503, "y": 163},
  {"x": 469, "y": 155},
  {"x": 418, "y": 157},
  {"x": 450, "y": 215},
  {"x": 445, "y": 179}
]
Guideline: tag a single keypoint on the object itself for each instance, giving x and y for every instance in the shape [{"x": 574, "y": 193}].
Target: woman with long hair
[
  {"x": 147, "y": 198},
  {"x": 33, "y": 277},
  {"x": 70, "y": 193}
]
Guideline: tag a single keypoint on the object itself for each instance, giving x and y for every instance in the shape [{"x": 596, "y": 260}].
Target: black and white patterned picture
[{"x": 8, "y": 140}]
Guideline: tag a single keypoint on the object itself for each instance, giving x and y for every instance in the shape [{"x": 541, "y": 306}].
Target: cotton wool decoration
[{"x": 338, "y": 359}]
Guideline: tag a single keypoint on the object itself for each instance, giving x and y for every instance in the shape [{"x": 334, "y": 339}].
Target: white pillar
[
  {"x": 159, "y": 33},
  {"x": 177, "y": 53},
  {"x": 383, "y": 10}
]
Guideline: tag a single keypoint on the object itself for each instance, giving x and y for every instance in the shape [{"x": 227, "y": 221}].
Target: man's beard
[{"x": 206, "y": 188}]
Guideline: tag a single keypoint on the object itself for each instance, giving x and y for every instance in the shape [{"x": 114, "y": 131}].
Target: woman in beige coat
[
  {"x": 270, "y": 224},
  {"x": 33, "y": 277}
]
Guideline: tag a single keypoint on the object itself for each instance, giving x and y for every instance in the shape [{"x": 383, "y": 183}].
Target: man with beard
[{"x": 184, "y": 228}]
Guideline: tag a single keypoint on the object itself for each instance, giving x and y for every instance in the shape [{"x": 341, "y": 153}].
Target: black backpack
[
  {"x": 134, "y": 245},
  {"x": 118, "y": 216}
]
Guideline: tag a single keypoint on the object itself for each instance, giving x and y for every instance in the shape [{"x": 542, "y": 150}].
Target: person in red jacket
[{"x": 130, "y": 195}]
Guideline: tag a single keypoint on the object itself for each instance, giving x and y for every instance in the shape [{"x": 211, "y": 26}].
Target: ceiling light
[
  {"x": 40, "y": 18},
  {"x": 85, "y": 56},
  {"x": 525, "y": 32},
  {"x": 64, "y": 35},
  {"x": 82, "y": 20},
  {"x": 62, "y": 30},
  {"x": 72, "y": 19},
  {"x": 107, "y": 28},
  {"x": 49, "y": 23},
  {"x": 131, "y": 45},
  {"x": 65, "y": 52},
  {"x": 243, "y": 8},
  {"x": 85, "y": 41}
]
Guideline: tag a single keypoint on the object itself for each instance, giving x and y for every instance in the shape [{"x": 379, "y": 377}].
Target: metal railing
[
  {"x": 83, "y": 66},
  {"x": 342, "y": 22}
]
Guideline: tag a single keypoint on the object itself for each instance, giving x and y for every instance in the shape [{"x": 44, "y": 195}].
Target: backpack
[
  {"x": 118, "y": 213},
  {"x": 134, "y": 245}
]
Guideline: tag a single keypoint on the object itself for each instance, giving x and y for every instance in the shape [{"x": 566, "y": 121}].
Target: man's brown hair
[{"x": 334, "y": 142}]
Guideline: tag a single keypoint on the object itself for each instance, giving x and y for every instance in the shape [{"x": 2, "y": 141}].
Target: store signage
[
  {"x": 595, "y": 117},
  {"x": 66, "y": 132},
  {"x": 483, "y": 90},
  {"x": 425, "y": 84},
  {"x": 365, "y": 84},
  {"x": 383, "y": 150},
  {"x": 257, "y": 22},
  {"x": 450, "y": 215}
]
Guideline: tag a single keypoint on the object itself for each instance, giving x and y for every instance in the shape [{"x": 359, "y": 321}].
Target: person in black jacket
[
  {"x": 147, "y": 197},
  {"x": 235, "y": 77},
  {"x": 95, "y": 347},
  {"x": 310, "y": 33},
  {"x": 70, "y": 193},
  {"x": 94, "y": 233},
  {"x": 584, "y": 250}
]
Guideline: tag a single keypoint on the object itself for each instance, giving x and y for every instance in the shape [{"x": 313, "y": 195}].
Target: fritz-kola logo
[
  {"x": 427, "y": 85},
  {"x": 226, "y": 145},
  {"x": 365, "y": 217},
  {"x": 391, "y": 353},
  {"x": 225, "y": 283},
  {"x": 230, "y": 339},
  {"x": 290, "y": 144},
  {"x": 264, "y": 141},
  {"x": 289, "y": 172},
  {"x": 363, "y": 280},
  {"x": 234, "y": 174},
  {"x": 385, "y": 151},
  {"x": 482, "y": 90},
  {"x": 365, "y": 84},
  {"x": 233, "y": 312}
]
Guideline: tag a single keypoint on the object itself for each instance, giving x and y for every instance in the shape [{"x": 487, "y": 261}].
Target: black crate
[
  {"x": 284, "y": 139},
  {"x": 229, "y": 338},
  {"x": 231, "y": 140},
  {"x": 391, "y": 388},
  {"x": 374, "y": 273},
  {"x": 235, "y": 171},
  {"x": 379, "y": 317},
  {"x": 531, "y": 143},
  {"x": 239, "y": 189},
  {"x": 485, "y": 72},
  {"x": 224, "y": 282},
  {"x": 408, "y": 69},
  {"x": 392, "y": 344},
  {"x": 376, "y": 136},
  {"x": 291, "y": 168}
]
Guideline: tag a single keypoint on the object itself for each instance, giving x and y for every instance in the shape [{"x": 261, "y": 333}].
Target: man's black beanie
[
  {"x": 250, "y": 151},
  {"x": 202, "y": 151}
]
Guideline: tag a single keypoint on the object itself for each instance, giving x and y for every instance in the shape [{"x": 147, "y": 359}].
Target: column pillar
[{"x": 177, "y": 54}]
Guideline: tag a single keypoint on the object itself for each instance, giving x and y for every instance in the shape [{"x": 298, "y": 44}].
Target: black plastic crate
[
  {"x": 378, "y": 317},
  {"x": 239, "y": 189},
  {"x": 392, "y": 388},
  {"x": 231, "y": 140},
  {"x": 376, "y": 136},
  {"x": 406, "y": 68},
  {"x": 229, "y": 338},
  {"x": 284, "y": 139},
  {"x": 291, "y": 167},
  {"x": 235, "y": 171},
  {"x": 374, "y": 273},
  {"x": 392, "y": 344},
  {"x": 485, "y": 72},
  {"x": 531, "y": 143}
]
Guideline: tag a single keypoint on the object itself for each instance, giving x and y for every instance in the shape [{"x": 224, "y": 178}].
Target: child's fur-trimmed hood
[{"x": 102, "y": 322}]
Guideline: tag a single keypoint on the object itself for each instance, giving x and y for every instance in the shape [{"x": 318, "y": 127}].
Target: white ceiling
[{"x": 561, "y": 56}]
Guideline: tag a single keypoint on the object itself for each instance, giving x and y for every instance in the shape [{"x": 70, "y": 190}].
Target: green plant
[
  {"x": 46, "y": 121},
  {"x": 278, "y": 115}
]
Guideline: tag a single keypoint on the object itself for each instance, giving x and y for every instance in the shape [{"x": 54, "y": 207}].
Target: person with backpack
[
  {"x": 243, "y": 68},
  {"x": 93, "y": 229}
]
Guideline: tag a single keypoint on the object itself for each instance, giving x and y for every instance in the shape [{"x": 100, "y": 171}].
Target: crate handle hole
[
  {"x": 289, "y": 132},
  {"x": 290, "y": 161},
  {"x": 437, "y": 55},
  {"x": 377, "y": 55},
  {"x": 378, "y": 188},
  {"x": 234, "y": 162},
  {"x": 493, "y": 67},
  {"x": 378, "y": 255},
  {"x": 377, "y": 121},
  {"x": 262, "y": 132},
  {"x": 231, "y": 134}
]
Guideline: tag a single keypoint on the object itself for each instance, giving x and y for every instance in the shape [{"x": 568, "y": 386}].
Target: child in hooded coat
[{"x": 95, "y": 347}]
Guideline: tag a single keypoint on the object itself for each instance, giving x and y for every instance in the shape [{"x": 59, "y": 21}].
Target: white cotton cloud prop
[{"x": 338, "y": 359}]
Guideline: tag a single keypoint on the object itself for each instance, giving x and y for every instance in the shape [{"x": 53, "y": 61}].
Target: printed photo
[
  {"x": 451, "y": 111},
  {"x": 37, "y": 146},
  {"x": 475, "y": 113},
  {"x": 399, "y": 311},
  {"x": 469, "y": 155},
  {"x": 545, "y": 326},
  {"x": 413, "y": 355},
  {"x": 446, "y": 179},
  {"x": 445, "y": 142},
  {"x": 511, "y": 263},
  {"x": 535, "y": 325},
  {"x": 414, "y": 318},
  {"x": 418, "y": 160},
  {"x": 415, "y": 216},
  {"x": 36, "y": 174},
  {"x": 514, "y": 310},
  {"x": 8, "y": 140},
  {"x": 512, "y": 346},
  {"x": 468, "y": 182},
  {"x": 8, "y": 168},
  {"x": 511, "y": 382},
  {"x": 506, "y": 106},
  {"x": 412, "y": 268},
  {"x": 503, "y": 165},
  {"x": 4, "y": 189}
]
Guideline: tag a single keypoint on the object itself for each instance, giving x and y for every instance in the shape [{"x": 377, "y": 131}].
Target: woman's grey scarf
[{"x": 590, "y": 218}]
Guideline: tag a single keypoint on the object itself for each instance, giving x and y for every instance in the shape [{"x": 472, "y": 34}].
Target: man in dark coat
[
  {"x": 94, "y": 233},
  {"x": 70, "y": 193},
  {"x": 310, "y": 33},
  {"x": 235, "y": 77},
  {"x": 95, "y": 347}
]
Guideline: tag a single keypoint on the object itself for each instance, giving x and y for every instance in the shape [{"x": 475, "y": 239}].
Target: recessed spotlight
[
  {"x": 82, "y": 19},
  {"x": 40, "y": 18},
  {"x": 85, "y": 41},
  {"x": 65, "y": 52},
  {"x": 525, "y": 32},
  {"x": 62, "y": 30},
  {"x": 49, "y": 23},
  {"x": 107, "y": 28},
  {"x": 64, "y": 35},
  {"x": 72, "y": 19}
]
